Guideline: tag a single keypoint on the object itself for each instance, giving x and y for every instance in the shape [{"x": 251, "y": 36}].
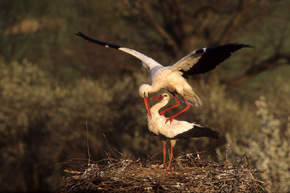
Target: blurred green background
[{"x": 52, "y": 83}]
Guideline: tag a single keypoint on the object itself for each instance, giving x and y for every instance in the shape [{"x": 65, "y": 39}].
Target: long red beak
[
  {"x": 146, "y": 102},
  {"x": 155, "y": 98}
]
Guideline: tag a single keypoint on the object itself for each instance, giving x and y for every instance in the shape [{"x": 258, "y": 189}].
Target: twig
[
  {"x": 88, "y": 146},
  {"x": 112, "y": 149}
]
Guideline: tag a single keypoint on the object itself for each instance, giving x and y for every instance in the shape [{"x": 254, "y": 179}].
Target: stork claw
[
  {"x": 186, "y": 108},
  {"x": 169, "y": 119}
]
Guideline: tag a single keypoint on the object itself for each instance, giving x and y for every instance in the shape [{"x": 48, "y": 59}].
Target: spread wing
[
  {"x": 188, "y": 61},
  {"x": 147, "y": 61},
  {"x": 206, "y": 59}
]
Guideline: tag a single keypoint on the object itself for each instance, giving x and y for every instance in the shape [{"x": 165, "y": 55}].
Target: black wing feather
[
  {"x": 212, "y": 57},
  {"x": 97, "y": 41}
]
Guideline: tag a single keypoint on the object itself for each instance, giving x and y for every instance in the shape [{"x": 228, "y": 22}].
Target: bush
[
  {"x": 42, "y": 124},
  {"x": 269, "y": 149}
]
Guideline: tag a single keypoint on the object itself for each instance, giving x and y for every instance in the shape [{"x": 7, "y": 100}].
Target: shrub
[
  {"x": 269, "y": 150},
  {"x": 41, "y": 124}
]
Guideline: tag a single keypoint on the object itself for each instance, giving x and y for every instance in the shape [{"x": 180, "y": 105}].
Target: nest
[{"x": 189, "y": 173}]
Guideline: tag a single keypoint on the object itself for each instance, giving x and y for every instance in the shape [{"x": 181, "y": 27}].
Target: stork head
[
  {"x": 163, "y": 96},
  {"x": 144, "y": 92}
]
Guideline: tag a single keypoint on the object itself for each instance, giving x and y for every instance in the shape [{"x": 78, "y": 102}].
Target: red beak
[
  {"x": 146, "y": 102},
  {"x": 160, "y": 97}
]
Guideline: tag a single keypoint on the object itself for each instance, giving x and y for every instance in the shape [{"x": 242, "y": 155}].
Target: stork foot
[{"x": 169, "y": 119}]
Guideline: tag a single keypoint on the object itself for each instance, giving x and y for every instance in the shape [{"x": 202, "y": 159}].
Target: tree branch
[
  {"x": 235, "y": 22},
  {"x": 262, "y": 66},
  {"x": 170, "y": 41}
]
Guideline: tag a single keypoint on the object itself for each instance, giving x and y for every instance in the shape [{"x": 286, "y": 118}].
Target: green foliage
[
  {"x": 41, "y": 123},
  {"x": 225, "y": 113},
  {"x": 269, "y": 148},
  {"x": 43, "y": 32}
]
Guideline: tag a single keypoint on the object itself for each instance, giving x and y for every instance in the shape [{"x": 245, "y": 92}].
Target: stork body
[
  {"x": 177, "y": 129},
  {"x": 174, "y": 82},
  {"x": 173, "y": 78}
]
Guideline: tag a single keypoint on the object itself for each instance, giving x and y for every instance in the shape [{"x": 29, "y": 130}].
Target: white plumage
[{"x": 173, "y": 78}]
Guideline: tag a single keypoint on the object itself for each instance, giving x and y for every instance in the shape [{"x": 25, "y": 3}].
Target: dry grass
[{"x": 189, "y": 173}]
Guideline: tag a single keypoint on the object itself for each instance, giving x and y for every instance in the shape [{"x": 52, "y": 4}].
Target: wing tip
[
  {"x": 107, "y": 45},
  {"x": 79, "y": 34},
  {"x": 243, "y": 45}
]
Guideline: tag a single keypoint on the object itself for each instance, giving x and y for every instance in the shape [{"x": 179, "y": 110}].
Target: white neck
[{"x": 155, "y": 108}]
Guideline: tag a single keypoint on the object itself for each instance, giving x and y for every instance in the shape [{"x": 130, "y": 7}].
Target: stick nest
[{"x": 189, "y": 173}]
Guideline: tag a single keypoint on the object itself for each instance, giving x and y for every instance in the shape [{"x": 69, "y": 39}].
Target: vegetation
[
  {"x": 269, "y": 148},
  {"x": 60, "y": 95}
]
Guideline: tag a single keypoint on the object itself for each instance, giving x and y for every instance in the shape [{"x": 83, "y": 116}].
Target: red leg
[
  {"x": 171, "y": 156},
  {"x": 186, "y": 108},
  {"x": 164, "y": 152},
  {"x": 178, "y": 103}
]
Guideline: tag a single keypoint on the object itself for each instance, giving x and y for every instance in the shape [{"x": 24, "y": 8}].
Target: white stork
[
  {"x": 175, "y": 130},
  {"x": 173, "y": 78}
]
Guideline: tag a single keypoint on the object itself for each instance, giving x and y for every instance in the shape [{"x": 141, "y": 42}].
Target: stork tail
[{"x": 198, "y": 131}]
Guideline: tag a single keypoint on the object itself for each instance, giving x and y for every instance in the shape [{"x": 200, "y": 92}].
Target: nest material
[{"x": 188, "y": 174}]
